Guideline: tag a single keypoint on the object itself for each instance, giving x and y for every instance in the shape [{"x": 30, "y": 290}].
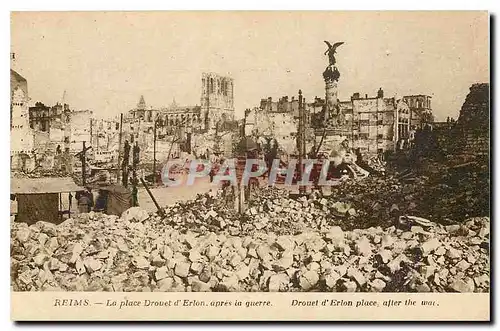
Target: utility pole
[
  {"x": 91, "y": 132},
  {"x": 301, "y": 141},
  {"x": 135, "y": 162},
  {"x": 81, "y": 156},
  {"x": 83, "y": 164},
  {"x": 304, "y": 122},
  {"x": 154, "y": 152},
  {"x": 119, "y": 149}
]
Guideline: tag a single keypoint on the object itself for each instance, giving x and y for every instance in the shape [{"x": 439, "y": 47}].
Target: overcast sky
[{"x": 105, "y": 61}]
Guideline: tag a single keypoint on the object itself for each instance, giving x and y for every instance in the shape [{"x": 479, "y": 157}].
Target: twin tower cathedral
[
  {"x": 217, "y": 107},
  {"x": 217, "y": 97}
]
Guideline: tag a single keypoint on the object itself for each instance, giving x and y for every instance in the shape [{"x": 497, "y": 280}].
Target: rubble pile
[
  {"x": 138, "y": 252},
  {"x": 376, "y": 164},
  {"x": 452, "y": 195},
  {"x": 272, "y": 210}
]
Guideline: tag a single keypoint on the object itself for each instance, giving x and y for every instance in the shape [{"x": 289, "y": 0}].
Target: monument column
[
  {"x": 331, "y": 76},
  {"x": 331, "y": 98}
]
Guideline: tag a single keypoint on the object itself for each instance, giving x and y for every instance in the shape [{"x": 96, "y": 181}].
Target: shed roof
[{"x": 43, "y": 185}]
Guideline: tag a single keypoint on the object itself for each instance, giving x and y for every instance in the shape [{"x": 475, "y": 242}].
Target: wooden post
[
  {"x": 300, "y": 136},
  {"x": 119, "y": 149},
  {"x": 160, "y": 211},
  {"x": 241, "y": 199},
  {"x": 83, "y": 164},
  {"x": 154, "y": 152},
  {"x": 91, "y": 132}
]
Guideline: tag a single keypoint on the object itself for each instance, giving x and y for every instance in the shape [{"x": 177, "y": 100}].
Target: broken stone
[
  {"x": 230, "y": 283},
  {"x": 484, "y": 232},
  {"x": 23, "y": 235},
  {"x": 482, "y": 281},
  {"x": 284, "y": 263},
  {"x": 350, "y": 286},
  {"x": 453, "y": 253},
  {"x": 465, "y": 285},
  {"x": 440, "y": 260},
  {"x": 140, "y": 262},
  {"x": 182, "y": 269},
  {"x": 161, "y": 273},
  {"x": 363, "y": 246},
  {"x": 384, "y": 256},
  {"x": 243, "y": 272},
  {"x": 212, "y": 252},
  {"x": 462, "y": 265},
  {"x": 195, "y": 256},
  {"x": 407, "y": 235},
  {"x": 452, "y": 228},
  {"x": 331, "y": 279},
  {"x": 440, "y": 251},
  {"x": 196, "y": 268},
  {"x": 387, "y": 241},
  {"x": 54, "y": 264},
  {"x": 417, "y": 229},
  {"x": 471, "y": 259},
  {"x": 377, "y": 285},
  {"x": 356, "y": 275},
  {"x": 199, "y": 286},
  {"x": 157, "y": 261},
  {"x": 278, "y": 282},
  {"x": 165, "y": 284},
  {"x": 63, "y": 267},
  {"x": 335, "y": 235},
  {"x": 80, "y": 267},
  {"x": 40, "y": 259},
  {"x": 285, "y": 243},
  {"x": 205, "y": 274},
  {"x": 423, "y": 288},
  {"x": 135, "y": 214},
  {"x": 429, "y": 246},
  {"x": 308, "y": 280},
  {"x": 42, "y": 238},
  {"x": 427, "y": 271},
  {"x": 395, "y": 264},
  {"x": 92, "y": 264}
]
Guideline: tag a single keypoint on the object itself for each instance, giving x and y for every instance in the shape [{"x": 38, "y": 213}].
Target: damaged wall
[{"x": 470, "y": 135}]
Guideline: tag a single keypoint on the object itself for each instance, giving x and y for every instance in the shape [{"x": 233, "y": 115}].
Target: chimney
[
  {"x": 13, "y": 61},
  {"x": 380, "y": 93},
  {"x": 366, "y": 96}
]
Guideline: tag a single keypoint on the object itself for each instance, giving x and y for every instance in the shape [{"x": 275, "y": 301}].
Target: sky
[{"x": 106, "y": 60}]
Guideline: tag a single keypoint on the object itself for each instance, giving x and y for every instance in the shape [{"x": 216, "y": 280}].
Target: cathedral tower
[{"x": 217, "y": 98}]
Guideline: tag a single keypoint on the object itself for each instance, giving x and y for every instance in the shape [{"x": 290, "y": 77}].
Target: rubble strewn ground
[
  {"x": 358, "y": 238},
  {"x": 281, "y": 245}
]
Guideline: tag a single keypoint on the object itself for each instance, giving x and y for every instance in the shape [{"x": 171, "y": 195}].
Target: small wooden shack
[{"x": 38, "y": 198}]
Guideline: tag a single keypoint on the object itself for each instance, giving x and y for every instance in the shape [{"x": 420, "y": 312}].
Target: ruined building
[
  {"x": 279, "y": 120},
  {"x": 378, "y": 123},
  {"x": 372, "y": 124},
  {"x": 420, "y": 109},
  {"x": 469, "y": 135},
  {"x": 22, "y": 147}
]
